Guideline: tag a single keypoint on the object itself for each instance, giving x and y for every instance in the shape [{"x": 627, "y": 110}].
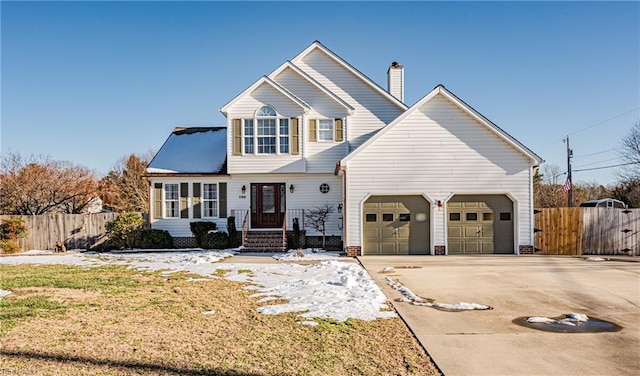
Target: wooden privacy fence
[
  {"x": 76, "y": 231},
  {"x": 587, "y": 231}
]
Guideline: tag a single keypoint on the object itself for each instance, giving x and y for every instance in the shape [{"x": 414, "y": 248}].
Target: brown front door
[{"x": 267, "y": 205}]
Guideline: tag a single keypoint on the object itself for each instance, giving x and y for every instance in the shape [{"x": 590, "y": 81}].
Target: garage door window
[
  {"x": 487, "y": 216},
  {"x": 505, "y": 216},
  {"x": 454, "y": 216},
  {"x": 472, "y": 216},
  {"x": 371, "y": 217},
  {"x": 404, "y": 217},
  {"x": 387, "y": 217}
]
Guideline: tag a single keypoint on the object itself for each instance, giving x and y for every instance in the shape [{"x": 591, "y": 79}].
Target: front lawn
[{"x": 69, "y": 320}]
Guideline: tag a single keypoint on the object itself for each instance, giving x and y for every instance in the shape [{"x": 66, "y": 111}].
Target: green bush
[
  {"x": 215, "y": 240},
  {"x": 124, "y": 231},
  {"x": 9, "y": 246},
  {"x": 156, "y": 239},
  {"x": 200, "y": 229},
  {"x": 233, "y": 233}
]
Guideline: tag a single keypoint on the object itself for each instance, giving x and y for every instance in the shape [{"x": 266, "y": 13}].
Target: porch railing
[
  {"x": 242, "y": 218},
  {"x": 245, "y": 226},
  {"x": 284, "y": 232}
]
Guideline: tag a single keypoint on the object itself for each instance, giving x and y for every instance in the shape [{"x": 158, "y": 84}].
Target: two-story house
[{"x": 433, "y": 178}]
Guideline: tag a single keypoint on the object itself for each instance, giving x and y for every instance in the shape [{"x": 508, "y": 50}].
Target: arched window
[{"x": 266, "y": 133}]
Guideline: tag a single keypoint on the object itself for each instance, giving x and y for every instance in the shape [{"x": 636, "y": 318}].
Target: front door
[{"x": 267, "y": 205}]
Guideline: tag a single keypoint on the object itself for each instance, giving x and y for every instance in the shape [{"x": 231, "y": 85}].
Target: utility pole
[{"x": 568, "y": 185}]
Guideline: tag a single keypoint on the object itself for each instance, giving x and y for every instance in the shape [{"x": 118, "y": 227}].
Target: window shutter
[
  {"x": 313, "y": 133},
  {"x": 157, "y": 200},
  {"x": 339, "y": 130},
  {"x": 295, "y": 137},
  {"x": 197, "y": 204},
  {"x": 237, "y": 137},
  {"x": 184, "y": 200},
  {"x": 222, "y": 200}
]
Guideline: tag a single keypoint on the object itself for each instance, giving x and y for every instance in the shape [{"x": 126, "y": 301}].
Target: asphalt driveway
[{"x": 488, "y": 343}]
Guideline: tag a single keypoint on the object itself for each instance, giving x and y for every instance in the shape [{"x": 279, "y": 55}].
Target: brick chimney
[{"x": 395, "y": 80}]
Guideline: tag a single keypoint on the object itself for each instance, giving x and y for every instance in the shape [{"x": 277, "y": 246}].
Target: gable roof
[
  {"x": 303, "y": 74},
  {"x": 270, "y": 82},
  {"x": 196, "y": 150},
  {"x": 317, "y": 45},
  {"x": 440, "y": 89}
]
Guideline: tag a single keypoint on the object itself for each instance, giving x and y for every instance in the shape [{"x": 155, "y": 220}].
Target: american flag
[{"x": 567, "y": 185}]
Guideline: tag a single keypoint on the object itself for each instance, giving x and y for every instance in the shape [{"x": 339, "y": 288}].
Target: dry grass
[{"x": 153, "y": 325}]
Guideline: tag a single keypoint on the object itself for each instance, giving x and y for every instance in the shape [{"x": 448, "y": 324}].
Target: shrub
[
  {"x": 215, "y": 240},
  {"x": 9, "y": 246},
  {"x": 13, "y": 229},
  {"x": 233, "y": 233},
  {"x": 124, "y": 231},
  {"x": 200, "y": 229},
  {"x": 156, "y": 239}
]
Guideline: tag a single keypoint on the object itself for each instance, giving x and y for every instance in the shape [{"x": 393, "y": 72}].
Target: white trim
[
  {"x": 164, "y": 200},
  {"x": 354, "y": 71},
  {"x": 395, "y": 193},
  {"x": 311, "y": 80},
  {"x": 275, "y": 85},
  {"x": 535, "y": 159}
]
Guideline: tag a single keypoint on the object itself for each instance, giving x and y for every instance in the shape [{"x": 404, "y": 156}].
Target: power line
[
  {"x": 592, "y": 125},
  {"x": 602, "y": 168},
  {"x": 594, "y": 163},
  {"x": 604, "y": 121},
  {"x": 596, "y": 153}
]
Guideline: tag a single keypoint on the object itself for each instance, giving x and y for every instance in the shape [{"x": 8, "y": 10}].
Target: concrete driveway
[{"x": 488, "y": 343}]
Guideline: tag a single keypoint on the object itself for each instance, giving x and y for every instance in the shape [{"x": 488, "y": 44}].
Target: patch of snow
[
  {"x": 388, "y": 269},
  {"x": 209, "y": 312},
  {"x": 309, "y": 323},
  {"x": 410, "y": 297},
  {"x": 541, "y": 319},
  {"x": 595, "y": 259},
  {"x": 317, "y": 290},
  {"x": 307, "y": 254},
  {"x": 4, "y": 293},
  {"x": 578, "y": 317}
]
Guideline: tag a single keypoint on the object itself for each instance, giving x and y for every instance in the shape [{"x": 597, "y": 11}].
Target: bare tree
[
  {"x": 124, "y": 188},
  {"x": 317, "y": 219},
  {"x": 40, "y": 185},
  {"x": 630, "y": 153},
  {"x": 547, "y": 189}
]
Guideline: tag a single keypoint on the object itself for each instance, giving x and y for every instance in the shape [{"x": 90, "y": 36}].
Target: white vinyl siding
[
  {"x": 171, "y": 201},
  {"x": 439, "y": 151},
  {"x": 180, "y": 227},
  {"x": 372, "y": 110},
  {"x": 209, "y": 200},
  {"x": 252, "y": 161}
]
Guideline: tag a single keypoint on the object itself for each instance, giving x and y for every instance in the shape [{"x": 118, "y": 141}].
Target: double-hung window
[
  {"x": 325, "y": 129},
  {"x": 171, "y": 201},
  {"x": 267, "y": 133},
  {"x": 209, "y": 200}
]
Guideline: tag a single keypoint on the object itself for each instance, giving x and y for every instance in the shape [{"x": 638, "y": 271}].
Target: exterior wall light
[
  {"x": 339, "y": 208},
  {"x": 243, "y": 189},
  {"x": 291, "y": 188}
]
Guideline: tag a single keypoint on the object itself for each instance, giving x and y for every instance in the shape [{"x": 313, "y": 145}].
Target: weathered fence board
[
  {"x": 587, "y": 231},
  {"x": 76, "y": 231}
]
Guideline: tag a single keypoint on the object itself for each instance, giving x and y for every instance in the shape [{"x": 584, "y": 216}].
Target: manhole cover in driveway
[{"x": 570, "y": 323}]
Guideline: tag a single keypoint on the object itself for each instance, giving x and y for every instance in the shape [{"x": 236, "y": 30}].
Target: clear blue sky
[{"x": 91, "y": 82}]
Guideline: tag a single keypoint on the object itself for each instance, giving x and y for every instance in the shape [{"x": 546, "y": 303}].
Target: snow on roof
[{"x": 192, "y": 150}]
